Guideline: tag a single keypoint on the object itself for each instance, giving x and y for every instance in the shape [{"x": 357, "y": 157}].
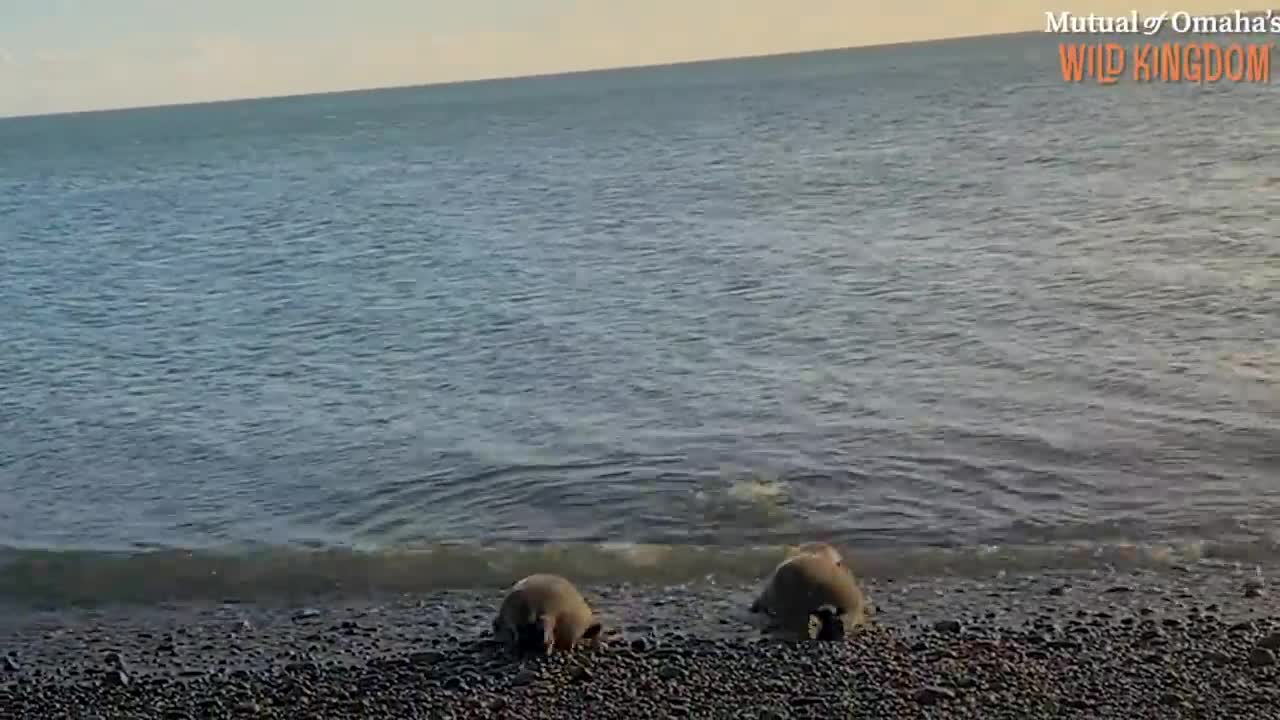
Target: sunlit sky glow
[{"x": 68, "y": 55}]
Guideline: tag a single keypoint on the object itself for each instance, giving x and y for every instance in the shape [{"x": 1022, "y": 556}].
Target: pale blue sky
[{"x": 65, "y": 55}]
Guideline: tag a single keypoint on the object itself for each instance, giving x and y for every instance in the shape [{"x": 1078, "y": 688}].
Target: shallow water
[{"x": 903, "y": 297}]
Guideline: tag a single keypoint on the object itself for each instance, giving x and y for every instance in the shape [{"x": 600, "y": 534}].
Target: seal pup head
[
  {"x": 830, "y": 624},
  {"x": 811, "y": 593},
  {"x": 542, "y": 613}
]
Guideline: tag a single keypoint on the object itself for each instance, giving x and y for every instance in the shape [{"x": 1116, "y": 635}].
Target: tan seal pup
[
  {"x": 813, "y": 586},
  {"x": 821, "y": 549},
  {"x": 542, "y": 613}
]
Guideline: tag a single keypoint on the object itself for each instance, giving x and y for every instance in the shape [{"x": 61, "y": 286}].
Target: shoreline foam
[{"x": 53, "y": 579}]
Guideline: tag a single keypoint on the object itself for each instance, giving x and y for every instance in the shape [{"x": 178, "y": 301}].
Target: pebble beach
[{"x": 1189, "y": 642}]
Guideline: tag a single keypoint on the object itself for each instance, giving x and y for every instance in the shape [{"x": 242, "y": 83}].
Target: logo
[{"x": 1170, "y": 47}]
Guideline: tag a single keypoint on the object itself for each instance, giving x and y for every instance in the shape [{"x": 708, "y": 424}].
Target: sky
[{"x": 73, "y": 55}]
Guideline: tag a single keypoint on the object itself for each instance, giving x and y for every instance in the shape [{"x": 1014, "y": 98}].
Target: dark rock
[
  {"x": 1270, "y": 642},
  {"x": 1119, "y": 589},
  {"x": 524, "y": 677},
  {"x": 117, "y": 678},
  {"x": 11, "y": 664},
  {"x": 1262, "y": 657},
  {"x": 951, "y": 627}
]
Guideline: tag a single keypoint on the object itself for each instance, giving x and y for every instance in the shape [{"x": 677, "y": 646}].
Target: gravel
[{"x": 1188, "y": 644}]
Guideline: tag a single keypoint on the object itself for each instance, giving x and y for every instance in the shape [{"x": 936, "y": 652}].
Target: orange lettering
[
  {"x": 1234, "y": 63},
  {"x": 1259, "y": 63},
  {"x": 1171, "y": 62},
  {"x": 1142, "y": 62},
  {"x": 1213, "y": 71},
  {"x": 1192, "y": 67},
  {"x": 1072, "y": 59},
  {"x": 1113, "y": 65}
]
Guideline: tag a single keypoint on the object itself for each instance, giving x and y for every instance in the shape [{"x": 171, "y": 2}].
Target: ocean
[{"x": 928, "y": 301}]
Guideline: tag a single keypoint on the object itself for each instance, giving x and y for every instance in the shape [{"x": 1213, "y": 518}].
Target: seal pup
[
  {"x": 820, "y": 549},
  {"x": 812, "y": 593},
  {"x": 542, "y": 613}
]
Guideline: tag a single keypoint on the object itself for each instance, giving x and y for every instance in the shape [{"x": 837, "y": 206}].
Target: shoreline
[{"x": 1192, "y": 643}]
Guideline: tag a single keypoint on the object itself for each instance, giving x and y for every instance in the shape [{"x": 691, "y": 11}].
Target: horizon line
[{"x": 508, "y": 78}]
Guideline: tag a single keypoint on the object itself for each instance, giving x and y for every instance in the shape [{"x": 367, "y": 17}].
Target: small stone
[
  {"x": 639, "y": 645},
  {"x": 1270, "y": 642},
  {"x": 1058, "y": 590},
  {"x": 933, "y": 694},
  {"x": 1119, "y": 589},
  {"x": 306, "y": 614},
  {"x": 425, "y": 657},
  {"x": 11, "y": 664},
  {"x": 1252, "y": 592},
  {"x": 118, "y": 678},
  {"x": 669, "y": 672},
  {"x": 580, "y": 674},
  {"x": 1262, "y": 657}
]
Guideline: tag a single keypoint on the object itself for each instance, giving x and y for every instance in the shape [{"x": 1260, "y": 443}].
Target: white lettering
[{"x": 1056, "y": 23}]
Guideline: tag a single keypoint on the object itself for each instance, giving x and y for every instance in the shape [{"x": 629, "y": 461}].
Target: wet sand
[{"x": 1195, "y": 643}]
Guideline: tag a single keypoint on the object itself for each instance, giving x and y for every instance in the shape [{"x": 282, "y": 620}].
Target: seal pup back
[{"x": 542, "y": 613}]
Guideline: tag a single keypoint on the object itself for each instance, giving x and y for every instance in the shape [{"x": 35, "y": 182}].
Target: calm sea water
[{"x": 641, "y": 322}]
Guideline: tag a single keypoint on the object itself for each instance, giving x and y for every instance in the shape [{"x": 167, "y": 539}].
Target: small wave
[{"x": 53, "y": 578}]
